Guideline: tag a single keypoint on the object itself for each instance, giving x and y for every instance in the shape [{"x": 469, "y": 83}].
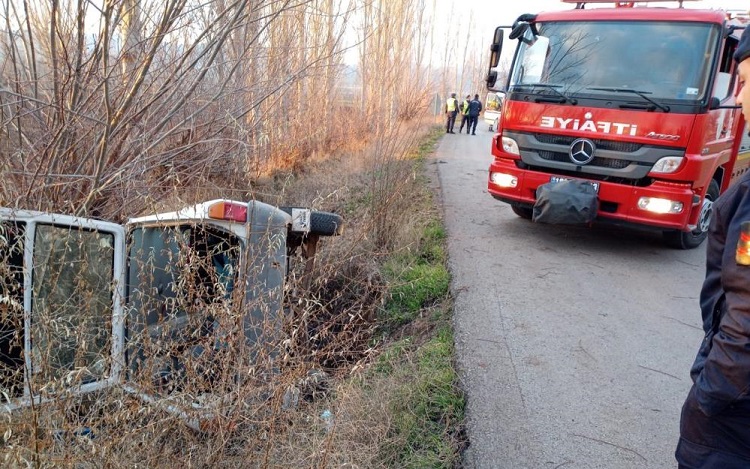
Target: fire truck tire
[
  {"x": 322, "y": 223},
  {"x": 692, "y": 239},
  {"x": 522, "y": 211}
]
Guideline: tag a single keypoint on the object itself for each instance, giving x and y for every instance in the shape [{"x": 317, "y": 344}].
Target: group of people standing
[{"x": 469, "y": 109}]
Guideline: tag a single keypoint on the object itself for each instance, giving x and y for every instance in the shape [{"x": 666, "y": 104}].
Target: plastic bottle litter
[{"x": 327, "y": 417}]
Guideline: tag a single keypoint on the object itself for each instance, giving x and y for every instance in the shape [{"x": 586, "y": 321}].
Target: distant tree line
[{"x": 109, "y": 105}]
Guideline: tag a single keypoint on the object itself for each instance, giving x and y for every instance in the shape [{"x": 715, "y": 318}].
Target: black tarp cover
[{"x": 566, "y": 202}]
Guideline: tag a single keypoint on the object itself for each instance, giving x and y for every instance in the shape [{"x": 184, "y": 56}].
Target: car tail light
[{"x": 230, "y": 211}]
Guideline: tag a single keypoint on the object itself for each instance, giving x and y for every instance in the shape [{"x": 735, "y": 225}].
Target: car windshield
[
  {"x": 666, "y": 61},
  {"x": 494, "y": 102}
]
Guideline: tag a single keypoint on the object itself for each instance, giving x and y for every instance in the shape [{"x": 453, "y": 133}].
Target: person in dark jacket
[
  {"x": 475, "y": 107},
  {"x": 715, "y": 421}
]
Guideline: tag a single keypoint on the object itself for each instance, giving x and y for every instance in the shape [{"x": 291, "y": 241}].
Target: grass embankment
[
  {"x": 415, "y": 373},
  {"x": 379, "y": 321}
]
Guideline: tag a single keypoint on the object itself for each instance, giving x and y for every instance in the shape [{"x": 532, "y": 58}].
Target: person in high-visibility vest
[
  {"x": 451, "y": 109},
  {"x": 464, "y": 110}
]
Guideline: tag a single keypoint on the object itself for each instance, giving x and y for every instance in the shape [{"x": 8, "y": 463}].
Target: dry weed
[{"x": 273, "y": 418}]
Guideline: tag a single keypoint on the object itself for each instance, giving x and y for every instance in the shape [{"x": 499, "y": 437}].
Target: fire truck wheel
[
  {"x": 522, "y": 211},
  {"x": 693, "y": 239},
  {"x": 322, "y": 223}
]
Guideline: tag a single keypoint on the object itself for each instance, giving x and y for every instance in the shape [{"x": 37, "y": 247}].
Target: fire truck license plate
[{"x": 558, "y": 179}]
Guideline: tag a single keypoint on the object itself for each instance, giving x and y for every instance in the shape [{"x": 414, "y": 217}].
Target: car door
[{"x": 61, "y": 305}]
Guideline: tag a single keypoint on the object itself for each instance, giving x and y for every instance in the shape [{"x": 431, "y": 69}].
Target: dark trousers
[
  {"x": 473, "y": 124},
  {"x": 451, "y": 121},
  {"x": 718, "y": 442},
  {"x": 465, "y": 120}
]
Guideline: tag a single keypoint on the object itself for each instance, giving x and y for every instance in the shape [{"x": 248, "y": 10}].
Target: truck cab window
[
  {"x": 71, "y": 308},
  {"x": 726, "y": 76}
]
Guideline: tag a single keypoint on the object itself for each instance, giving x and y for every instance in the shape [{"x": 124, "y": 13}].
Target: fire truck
[{"x": 632, "y": 102}]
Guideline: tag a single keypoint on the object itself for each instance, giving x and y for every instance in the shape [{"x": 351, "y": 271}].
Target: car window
[
  {"x": 180, "y": 279},
  {"x": 11, "y": 309},
  {"x": 71, "y": 309}
]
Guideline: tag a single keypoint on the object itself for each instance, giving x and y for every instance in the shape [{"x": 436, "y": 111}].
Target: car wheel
[
  {"x": 522, "y": 211},
  {"x": 692, "y": 239},
  {"x": 322, "y": 223}
]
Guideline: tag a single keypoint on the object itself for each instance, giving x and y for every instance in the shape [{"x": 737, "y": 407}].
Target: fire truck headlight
[
  {"x": 503, "y": 180},
  {"x": 656, "y": 205},
  {"x": 510, "y": 146},
  {"x": 668, "y": 164}
]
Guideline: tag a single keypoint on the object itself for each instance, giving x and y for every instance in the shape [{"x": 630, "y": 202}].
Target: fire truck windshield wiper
[
  {"x": 552, "y": 87},
  {"x": 642, "y": 94}
]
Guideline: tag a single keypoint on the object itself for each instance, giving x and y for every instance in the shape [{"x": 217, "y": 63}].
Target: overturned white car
[{"x": 164, "y": 307}]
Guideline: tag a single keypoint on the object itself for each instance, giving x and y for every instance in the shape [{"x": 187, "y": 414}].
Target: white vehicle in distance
[{"x": 492, "y": 108}]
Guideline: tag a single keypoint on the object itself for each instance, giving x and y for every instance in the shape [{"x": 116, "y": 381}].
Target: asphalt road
[{"x": 573, "y": 343}]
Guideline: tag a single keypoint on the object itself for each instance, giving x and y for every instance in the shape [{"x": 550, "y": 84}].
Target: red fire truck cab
[{"x": 637, "y": 101}]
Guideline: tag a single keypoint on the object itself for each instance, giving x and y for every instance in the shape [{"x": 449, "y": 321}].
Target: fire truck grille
[
  {"x": 624, "y": 147},
  {"x": 600, "y": 162}
]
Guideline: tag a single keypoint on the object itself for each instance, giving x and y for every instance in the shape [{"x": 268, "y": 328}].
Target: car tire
[
  {"x": 322, "y": 223},
  {"x": 522, "y": 211}
]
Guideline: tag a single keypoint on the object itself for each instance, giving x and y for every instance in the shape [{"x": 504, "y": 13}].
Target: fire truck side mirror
[
  {"x": 521, "y": 24},
  {"x": 518, "y": 30},
  {"x": 496, "y": 47},
  {"x": 491, "y": 78}
]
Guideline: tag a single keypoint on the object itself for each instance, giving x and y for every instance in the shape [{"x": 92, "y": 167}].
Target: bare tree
[{"x": 148, "y": 96}]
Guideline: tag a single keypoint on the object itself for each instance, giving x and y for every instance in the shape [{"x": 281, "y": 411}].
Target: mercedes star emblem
[{"x": 582, "y": 151}]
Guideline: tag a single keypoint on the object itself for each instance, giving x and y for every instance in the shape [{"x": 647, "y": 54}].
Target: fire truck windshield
[{"x": 667, "y": 61}]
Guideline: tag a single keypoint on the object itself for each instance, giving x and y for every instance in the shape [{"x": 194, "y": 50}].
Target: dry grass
[
  {"x": 333, "y": 336},
  {"x": 170, "y": 103}
]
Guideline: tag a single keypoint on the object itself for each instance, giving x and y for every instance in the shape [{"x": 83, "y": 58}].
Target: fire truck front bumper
[{"x": 662, "y": 205}]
